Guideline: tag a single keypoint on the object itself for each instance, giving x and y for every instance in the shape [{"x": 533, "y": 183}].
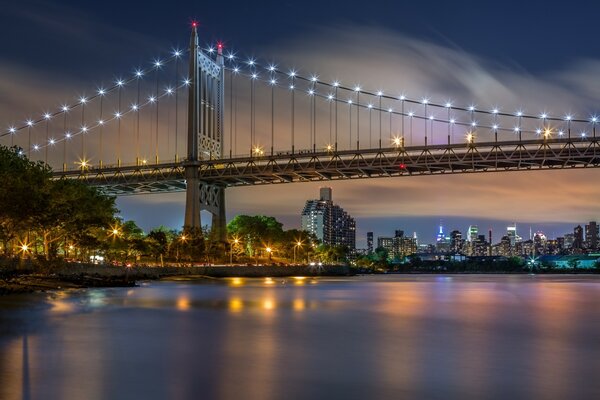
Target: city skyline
[{"x": 433, "y": 63}]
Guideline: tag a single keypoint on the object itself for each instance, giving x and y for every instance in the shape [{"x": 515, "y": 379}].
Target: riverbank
[{"x": 78, "y": 276}]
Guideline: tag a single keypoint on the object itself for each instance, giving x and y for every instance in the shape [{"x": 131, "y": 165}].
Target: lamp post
[
  {"x": 235, "y": 243},
  {"x": 298, "y": 244},
  {"x": 269, "y": 251}
]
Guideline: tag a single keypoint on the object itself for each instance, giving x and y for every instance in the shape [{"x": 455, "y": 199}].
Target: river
[{"x": 371, "y": 337}]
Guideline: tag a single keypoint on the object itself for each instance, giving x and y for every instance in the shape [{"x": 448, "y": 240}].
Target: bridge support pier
[{"x": 201, "y": 196}]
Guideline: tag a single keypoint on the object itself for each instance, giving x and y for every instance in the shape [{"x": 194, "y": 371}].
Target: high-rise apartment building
[
  {"x": 399, "y": 246},
  {"x": 329, "y": 222}
]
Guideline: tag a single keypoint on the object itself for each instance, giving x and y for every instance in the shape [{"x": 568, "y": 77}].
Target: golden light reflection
[
  {"x": 299, "y": 305},
  {"x": 299, "y": 280},
  {"x": 269, "y": 281},
  {"x": 183, "y": 304},
  {"x": 236, "y": 305},
  {"x": 59, "y": 304},
  {"x": 237, "y": 282},
  {"x": 268, "y": 304}
]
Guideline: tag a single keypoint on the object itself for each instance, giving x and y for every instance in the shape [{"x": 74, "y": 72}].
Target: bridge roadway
[{"x": 311, "y": 166}]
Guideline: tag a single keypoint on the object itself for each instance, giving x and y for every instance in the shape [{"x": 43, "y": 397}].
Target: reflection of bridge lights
[{"x": 269, "y": 281}]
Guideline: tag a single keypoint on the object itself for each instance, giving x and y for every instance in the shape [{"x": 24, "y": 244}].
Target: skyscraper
[
  {"x": 473, "y": 233},
  {"x": 511, "y": 232},
  {"x": 578, "y": 238},
  {"x": 329, "y": 222},
  {"x": 591, "y": 236},
  {"x": 456, "y": 242},
  {"x": 369, "y": 242}
]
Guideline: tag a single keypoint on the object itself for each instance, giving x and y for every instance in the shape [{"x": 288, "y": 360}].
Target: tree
[
  {"x": 70, "y": 208},
  {"x": 255, "y": 231},
  {"x": 21, "y": 194},
  {"x": 158, "y": 243}
]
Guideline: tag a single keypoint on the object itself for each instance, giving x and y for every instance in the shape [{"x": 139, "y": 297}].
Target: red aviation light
[{"x": 402, "y": 166}]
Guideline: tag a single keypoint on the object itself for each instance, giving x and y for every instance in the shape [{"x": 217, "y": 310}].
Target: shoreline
[{"x": 83, "y": 276}]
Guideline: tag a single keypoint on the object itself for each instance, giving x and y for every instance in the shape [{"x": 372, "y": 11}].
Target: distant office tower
[
  {"x": 329, "y": 222},
  {"x": 569, "y": 240},
  {"x": 591, "y": 236},
  {"x": 578, "y": 238},
  {"x": 479, "y": 246},
  {"x": 511, "y": 232},
  {"x": 504, "y": 247},
  {"x": 369, "y": 242},
  {"x": 539, "y": 243},
  {"x": 473, "y": 233},
  {"x": 456, "y": 242}
]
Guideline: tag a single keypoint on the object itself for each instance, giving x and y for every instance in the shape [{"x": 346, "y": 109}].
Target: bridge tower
[{"x": 205, "y": 136}]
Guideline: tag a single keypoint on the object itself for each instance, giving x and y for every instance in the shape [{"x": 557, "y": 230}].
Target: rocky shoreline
[{"x": 79, "y": 276}]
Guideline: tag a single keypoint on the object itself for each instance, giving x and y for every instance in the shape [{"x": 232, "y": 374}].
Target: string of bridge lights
[
  {"x": 250, "y": 70},
  {"x": 252, "y": 66},
  {"x": 102, "y": 92}
]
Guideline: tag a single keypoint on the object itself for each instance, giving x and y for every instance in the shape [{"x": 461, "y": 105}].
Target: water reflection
[{"x": 269, "y": 338}]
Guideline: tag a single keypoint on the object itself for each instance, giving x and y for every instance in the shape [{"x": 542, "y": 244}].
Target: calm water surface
[{"x": 384, "y": 337}]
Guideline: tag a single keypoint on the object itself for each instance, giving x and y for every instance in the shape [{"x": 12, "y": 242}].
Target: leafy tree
[{"x": 255, "y": 231}]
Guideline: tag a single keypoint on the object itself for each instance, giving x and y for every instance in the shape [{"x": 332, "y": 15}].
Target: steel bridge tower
[{"x": 205, "y": 137}]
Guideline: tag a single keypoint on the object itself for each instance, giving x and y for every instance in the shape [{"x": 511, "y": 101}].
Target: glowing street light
[{"x": 297, "y": 244}]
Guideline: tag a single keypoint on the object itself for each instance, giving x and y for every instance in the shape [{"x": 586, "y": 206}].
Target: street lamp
[
  {"x": 269, "y": 251},
  {"x": 298, "y": 244},
  {"x": 235, "y": 243}
]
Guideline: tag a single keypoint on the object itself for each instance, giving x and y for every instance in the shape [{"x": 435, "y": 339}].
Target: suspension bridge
[{"x": 224, "y": 121}]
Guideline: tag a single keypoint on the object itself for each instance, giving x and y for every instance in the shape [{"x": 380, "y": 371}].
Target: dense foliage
[{"x": 37, "y": 210}]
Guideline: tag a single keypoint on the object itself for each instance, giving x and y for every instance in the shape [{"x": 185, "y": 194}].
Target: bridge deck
[{"x": 356, "y": 164}]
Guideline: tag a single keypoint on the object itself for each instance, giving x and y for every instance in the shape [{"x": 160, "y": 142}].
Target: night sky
[{"x": 543, "y": 55}]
